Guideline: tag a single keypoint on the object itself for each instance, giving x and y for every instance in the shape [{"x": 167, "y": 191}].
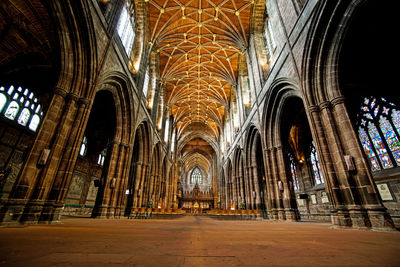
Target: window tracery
[
  {"x": 293, "y": 172},
  {"x": 146, "y": 82},
  {"x": 379, "y": 132},
  {"x": 125, "y": 27},
  {"x": 196, "y": 177},
  {"x": 21, "y": 105},
  {"x": 316, "y": 167},
  {"x": 269, "y": 36},
  {"x": 101, "y": 157}
]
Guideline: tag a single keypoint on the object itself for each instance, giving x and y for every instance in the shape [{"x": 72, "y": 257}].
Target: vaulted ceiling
[{"x": 199, "y": 43}]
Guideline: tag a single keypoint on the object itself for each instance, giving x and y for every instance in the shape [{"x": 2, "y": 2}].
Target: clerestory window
[
  {"x": 269, "y": 37},
  {"x": 83, "y": 149},
  {"x": 125, "y": 27}
]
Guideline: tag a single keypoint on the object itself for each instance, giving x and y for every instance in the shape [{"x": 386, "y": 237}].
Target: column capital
[
  {"x": 325, "y": 105},
  {"x": 338, "y": 100},
  {"x": 314, "y": 108},
  {"x": 60, "y": 91}
]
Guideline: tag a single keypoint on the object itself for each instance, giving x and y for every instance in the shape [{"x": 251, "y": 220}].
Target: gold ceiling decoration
[{"x": 199, "y": 43}]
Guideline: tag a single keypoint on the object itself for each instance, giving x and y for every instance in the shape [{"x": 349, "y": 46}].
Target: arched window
[
  {"x": 20, "y": 105},
  {"x": 146, "y": 82},
  {"x": 293, "y": 172},
  {"x": 101, "y": 158},
  {"x": 125, "y": 27},
  {"x": 379, "y": 132},
  {"x": 83, "y": 149},
  {"x": 316, "y": 167},
  {"x": 166, "y": 130},
  {"x": 269, "y": 36},
  {"x": 196, "y": 177}
]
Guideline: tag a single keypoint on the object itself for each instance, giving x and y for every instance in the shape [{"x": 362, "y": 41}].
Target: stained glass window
[
  {"x": 196, "y": 177},
  {"x": 316, "y": 168},
  {"x": 293, "y": 172},
  {"x": 369, "y": 151},
  {"x": 396, "y": 119},
  {"x": 24, "y": 117},
  {"x": 16, "y": 105},
  {"x": 125, "y": 27},
  {"x": 378, "y": 129},
  {"x": 12, "y": 110},
  {"x": 391, "y": 138}
]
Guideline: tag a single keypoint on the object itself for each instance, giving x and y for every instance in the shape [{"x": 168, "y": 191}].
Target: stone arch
[
  {"x": 321, "y": 55},
  {"x": 255, "y": 168},
  {"x": 183, "y": 140},
  {"x": 155, "y": 178},
  {"x": 240, "y": 183},
  {"x": 112, "y": 190},
  {"x": 281, "y": 198},
  {"x": 330, "y": 119},
  {"x": 68, "y": 103},
  {"x": 140, "y": 167},
  {"x": 119, "y": 85}
]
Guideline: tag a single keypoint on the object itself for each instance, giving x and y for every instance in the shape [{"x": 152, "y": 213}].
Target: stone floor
[{"x": 195, "y": 241}]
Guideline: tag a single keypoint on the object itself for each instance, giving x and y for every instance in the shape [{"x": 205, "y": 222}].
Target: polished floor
[{"x": 195, "y": 241}]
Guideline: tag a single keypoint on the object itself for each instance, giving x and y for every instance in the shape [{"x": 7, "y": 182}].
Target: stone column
[
  {"x": 122, "y": 183},
  {"x": 339, "y": 214},
  {"x": 54, "y": 205},
  {"x": 137, "y": 193},
  {"x": 258, "y": 202},
  {"x": 30, "y": 186},
  {"x": 372, "y": 213},
  {"x": 249, "y": 191},
  {"x": 273, "y": 197},
  {"x": 234, "y": 191},
  {"x": 288, "y": 196},
  {"x": 277, "y": 184},
  {"x": 355, "y": 201}
]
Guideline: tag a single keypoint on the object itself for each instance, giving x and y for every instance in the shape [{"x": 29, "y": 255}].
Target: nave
[{"x": 194, "y": 241}]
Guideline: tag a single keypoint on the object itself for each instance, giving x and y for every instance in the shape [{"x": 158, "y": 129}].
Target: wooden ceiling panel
[{"x": 199, "y": 43}]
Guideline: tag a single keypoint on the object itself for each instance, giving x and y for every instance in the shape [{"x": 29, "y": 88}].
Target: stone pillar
[
  {"x": 288, "y": 195},
  {"x": 30, "y": 191},
  {"x": 122, "y": 182},
  {"x": 258, "y": 202},
  {"x": 117, "y": 191},
  {"x": 249, "y": 188},
  {"x": 137, "y": 193},
  {"x": 354, "y": 196},
  {"x": 276, "y": 185},
  {"x": 234, "y": 192},
  {"x": 55, "y": 203},
  {"x": 273, "y": 200}
]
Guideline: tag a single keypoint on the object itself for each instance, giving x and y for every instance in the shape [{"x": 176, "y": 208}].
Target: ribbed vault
[{"x": 199, "y": 43}]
